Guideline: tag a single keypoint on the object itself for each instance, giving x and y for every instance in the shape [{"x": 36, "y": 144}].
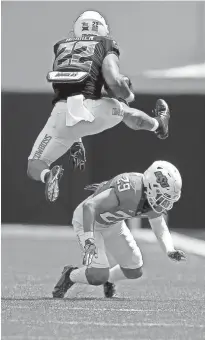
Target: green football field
[{"x": 168, "y": 302}]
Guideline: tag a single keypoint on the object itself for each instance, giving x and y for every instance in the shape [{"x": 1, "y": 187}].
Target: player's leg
[
  {"x": 107, "y": 112},
  {"x": 121, "y": 244},
  {"x": 53, "y": 141},
  {"x": 96, "y": 274},
  {"x": 139, "y": 120},
  {"x": 57, "y": 136}
]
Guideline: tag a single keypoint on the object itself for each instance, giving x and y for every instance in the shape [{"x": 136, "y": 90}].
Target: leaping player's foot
[
  {"x": 52, "y": 183},
  {"x": 109, "y": 289},
  {"x": 162, "y": 114},
  {"x": 64, "y": 283}
]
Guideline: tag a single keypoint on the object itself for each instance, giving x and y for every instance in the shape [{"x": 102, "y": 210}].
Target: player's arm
[
  {"x": 161, "y": 231},
  {"x": 100, "y": 203},
  {"x": 115, "y": 81},
  {"x": 138, "y": 120}
]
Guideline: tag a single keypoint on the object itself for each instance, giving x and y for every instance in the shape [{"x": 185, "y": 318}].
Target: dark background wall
[{"x": 109, "y": 153}]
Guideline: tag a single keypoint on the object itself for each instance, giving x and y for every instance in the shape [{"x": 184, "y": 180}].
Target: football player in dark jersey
[
  {"x": 83, "y": 64},
  {"x": 99, "y": 223}
]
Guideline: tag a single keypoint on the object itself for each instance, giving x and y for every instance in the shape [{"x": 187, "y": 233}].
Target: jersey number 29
[{"x": 123, "y": 183}]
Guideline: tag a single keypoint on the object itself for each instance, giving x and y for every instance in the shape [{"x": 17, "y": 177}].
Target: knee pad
[
  {"x": 132, "y": 273},
  {"x": 35, "y": 167},
  {"x": 97, "y": 276}
]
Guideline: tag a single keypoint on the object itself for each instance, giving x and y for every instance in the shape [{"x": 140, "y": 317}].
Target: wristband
[{"x": 89, "y": 234}]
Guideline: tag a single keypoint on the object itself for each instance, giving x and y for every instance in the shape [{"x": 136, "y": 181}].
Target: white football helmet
[
  {"x": 90, "y": 22},
  {"x": 163, "y": 185}
]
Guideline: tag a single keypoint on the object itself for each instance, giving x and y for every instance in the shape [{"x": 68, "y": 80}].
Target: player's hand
[
  {"x": 129, "y": 83},
  {"x": 90, "y": 251},
  {"x": 177, "y": 255},
  {"x": 77, "y": 157}
]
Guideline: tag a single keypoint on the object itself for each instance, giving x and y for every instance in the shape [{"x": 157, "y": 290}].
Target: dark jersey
[
  {"x": 82, "y": 55},
  {"x": 132, "y": 202}
]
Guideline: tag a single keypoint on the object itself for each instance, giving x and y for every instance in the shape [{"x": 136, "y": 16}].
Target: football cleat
[
  {"x": 162, "y": 115},
  {"x": 109, "y": 289},
  {"x": 77, "y": 157},
  {"x": 52, "y": 183},
  {"x": 64, "y": 283}
]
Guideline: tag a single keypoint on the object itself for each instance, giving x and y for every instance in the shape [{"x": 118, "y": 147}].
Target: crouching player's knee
[
  {"x": 97, "y": 276},
  {"x": 132, "y": 273},
  {"x": 35, "y": 167}
]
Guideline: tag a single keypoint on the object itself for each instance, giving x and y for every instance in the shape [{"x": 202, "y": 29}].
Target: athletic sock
[
  {"x": 156, "y": 125},
  {"x": 44, "y": 174},
  {"x": 79, "y": 276},
  {"x": 116, "y": 274}
]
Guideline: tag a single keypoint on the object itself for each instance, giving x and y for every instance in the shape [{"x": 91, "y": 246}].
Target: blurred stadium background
[{"x": 162, "y": 50}]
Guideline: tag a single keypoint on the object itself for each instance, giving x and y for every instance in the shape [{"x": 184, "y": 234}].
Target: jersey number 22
[{"x": 75, "y": 54}]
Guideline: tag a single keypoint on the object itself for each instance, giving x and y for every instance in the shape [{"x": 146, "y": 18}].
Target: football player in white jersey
[
  {"x": 83, "y": 64},
  {"x": 99, "y": 224}
]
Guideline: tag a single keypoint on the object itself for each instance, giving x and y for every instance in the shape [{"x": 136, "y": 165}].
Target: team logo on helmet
[
  {"x": 90, "y": 23},
  {"x": 85, "y": 26},
  {"x": 161, "y": 179}
]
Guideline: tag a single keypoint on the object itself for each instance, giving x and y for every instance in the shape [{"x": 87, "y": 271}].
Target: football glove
[
  {"x": 90, "y": 251},
  {"x": 177, "y": 255},
  {"x": 77, "y": 158}
]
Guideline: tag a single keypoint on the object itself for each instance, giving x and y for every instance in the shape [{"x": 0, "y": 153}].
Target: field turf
[{"x": 168, "y": 302}]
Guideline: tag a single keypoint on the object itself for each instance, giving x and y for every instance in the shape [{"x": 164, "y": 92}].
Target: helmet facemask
[{"x": 160, "y": 202}]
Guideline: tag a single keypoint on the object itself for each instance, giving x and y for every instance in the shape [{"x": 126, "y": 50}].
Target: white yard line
[
  {"x": 188, "y": 244},
  {"x": 110, "y": 324},
  {"x": 32, "y": 337},
  {"x": 122, "y": 310}
]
